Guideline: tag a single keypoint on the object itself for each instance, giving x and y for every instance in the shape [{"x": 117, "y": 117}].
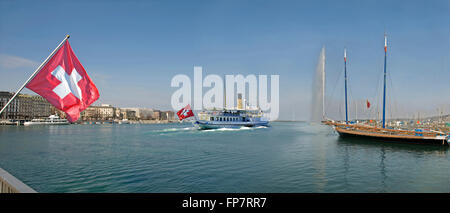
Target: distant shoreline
[
  {"x": 287, "y": 121},
  {"x": 128, "y": 122}
]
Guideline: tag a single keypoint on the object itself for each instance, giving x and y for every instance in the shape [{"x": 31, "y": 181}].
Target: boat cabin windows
[{"x": 229, "y": 119}]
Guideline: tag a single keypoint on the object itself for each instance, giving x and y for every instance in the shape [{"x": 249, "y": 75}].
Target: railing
[{"x": 10, "y": 184}]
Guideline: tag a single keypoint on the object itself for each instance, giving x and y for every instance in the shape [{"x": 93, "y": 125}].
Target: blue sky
[{"x": 132, "y": 49}]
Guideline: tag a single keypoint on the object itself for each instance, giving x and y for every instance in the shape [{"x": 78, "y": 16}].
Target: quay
[
  {"x": 21, "y": 122},
  {"x": 10, "y": 184}
]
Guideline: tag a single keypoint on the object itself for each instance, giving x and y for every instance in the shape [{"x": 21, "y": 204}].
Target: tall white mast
[{"x": 323, "y": 84}]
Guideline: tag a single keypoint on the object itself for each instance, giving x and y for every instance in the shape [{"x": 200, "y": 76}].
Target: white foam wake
[
  {"x": 175, "y": 129},
  {"x": 234, "y": 129}
]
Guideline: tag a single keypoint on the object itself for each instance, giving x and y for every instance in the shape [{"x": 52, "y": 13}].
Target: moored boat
[
  {"x": 418, "y": 136},
  {"x": 124, "y": 121},
  {"x": 51, "y": 120}
]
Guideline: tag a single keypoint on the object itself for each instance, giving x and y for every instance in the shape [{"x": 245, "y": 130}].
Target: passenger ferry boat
[
  {"x": 51, "y": 120},
  {"x": 213, "y": 119},
  {"x": 227, "y": 118}
]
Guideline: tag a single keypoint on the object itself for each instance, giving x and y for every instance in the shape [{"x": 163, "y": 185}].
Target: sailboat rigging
[{"x": 384, "y": 134}]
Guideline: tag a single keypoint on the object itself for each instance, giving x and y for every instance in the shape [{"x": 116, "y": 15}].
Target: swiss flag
[
  {"x": 65, "y": 84},
  {"x": 185, "y": 112}
]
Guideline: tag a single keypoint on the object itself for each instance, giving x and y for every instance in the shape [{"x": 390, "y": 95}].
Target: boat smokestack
[{"x": 239, "y": 103}]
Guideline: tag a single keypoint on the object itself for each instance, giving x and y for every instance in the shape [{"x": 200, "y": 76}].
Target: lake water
[{"x": 287, "y": 157}]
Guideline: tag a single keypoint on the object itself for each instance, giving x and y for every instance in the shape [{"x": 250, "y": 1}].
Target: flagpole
[{"x": 35, "y": 72}]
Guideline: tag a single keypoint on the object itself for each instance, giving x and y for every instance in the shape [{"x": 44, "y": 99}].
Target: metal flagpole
[{"x": 35, "y": 72}]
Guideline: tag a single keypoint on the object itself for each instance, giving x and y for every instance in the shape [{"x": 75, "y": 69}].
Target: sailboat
[{"x": 417, "y": 136}]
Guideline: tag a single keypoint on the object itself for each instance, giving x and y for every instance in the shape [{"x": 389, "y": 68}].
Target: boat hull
[
  {"x": 44, "y": 123},
  {"x": 235, "y": 125},
  {"x": 344, "y": 133}
]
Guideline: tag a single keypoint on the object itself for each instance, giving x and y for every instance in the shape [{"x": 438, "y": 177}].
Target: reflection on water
[
  {"x": 346, "y": 163},
  {"x": 395, "y": 146},
  {"x": 287, "y": 157},
  {"x": 400, "y": 162},
  {"x": 320, "y": 158},
  {"x": 383, "y": 170}
]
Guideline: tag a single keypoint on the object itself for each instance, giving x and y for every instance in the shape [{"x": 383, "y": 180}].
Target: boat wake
[
  {"x": 175, "y": 130},
  {"x": 193, "y": 130},
  {"x": 234, "y": 129}
]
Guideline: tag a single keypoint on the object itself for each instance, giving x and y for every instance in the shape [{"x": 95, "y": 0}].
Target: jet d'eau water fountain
[{"x": 318, "y": 90}]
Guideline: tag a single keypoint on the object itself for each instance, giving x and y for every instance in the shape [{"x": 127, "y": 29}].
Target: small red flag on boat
[
  {"x": 345, "y": 55},
  {"x": 185, "y": 112},
  {"x": 65, "y": 84},
  {"x": 368, "y": 104}
]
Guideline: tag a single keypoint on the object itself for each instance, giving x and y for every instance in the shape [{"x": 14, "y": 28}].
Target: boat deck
[{"x": 349, "y": 130}]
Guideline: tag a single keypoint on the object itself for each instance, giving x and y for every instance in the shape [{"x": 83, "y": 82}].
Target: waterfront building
[
  {"x": 13, "y": 109},
  {"x": 24, "y": 107},
  {"x": 117, "y": 113},
  {"x": 171, "y": 116},
  {"x": 128, "y": 114},
  {"x": 103, "y": 112},
  {"x": 106, "y": 112},
  {"x": 167, "y": 115},
  {"x": 40, "y": 108},
  {"x": 163, "y": 116},
  {"x": 157, "y": 114},
  {"x": 89, "y": 114},
  {"x": 141, "y": 113},
  {"x": 144, "y": 114}
]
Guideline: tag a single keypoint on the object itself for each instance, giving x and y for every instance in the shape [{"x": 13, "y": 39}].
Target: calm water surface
[{"x": 287, "y": 157}]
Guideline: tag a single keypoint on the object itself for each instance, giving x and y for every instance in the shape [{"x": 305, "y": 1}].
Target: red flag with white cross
[
  {"x": 65, "y": 84},
  {"x": 185, "y": 112}
]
